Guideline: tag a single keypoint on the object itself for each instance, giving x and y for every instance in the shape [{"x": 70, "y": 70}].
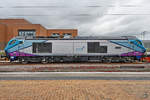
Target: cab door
[{"x": 20, "y": 46}]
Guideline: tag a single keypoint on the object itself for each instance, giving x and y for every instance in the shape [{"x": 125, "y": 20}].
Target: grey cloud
[{"x": 90, "y": 17}]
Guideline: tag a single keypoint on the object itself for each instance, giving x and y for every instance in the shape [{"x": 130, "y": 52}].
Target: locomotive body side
[{"x": 61, "y": 50}]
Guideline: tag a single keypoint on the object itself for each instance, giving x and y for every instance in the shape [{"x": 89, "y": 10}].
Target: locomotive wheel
[
  {"x": 49, "y": 59},
  {"x": 106, "y": 60},
  {"x": 44, "y": 61},
  {"x": 23, "y": 61}
]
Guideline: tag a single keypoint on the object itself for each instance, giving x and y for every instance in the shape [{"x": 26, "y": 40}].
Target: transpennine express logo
[{"x": 80, "y": 49}]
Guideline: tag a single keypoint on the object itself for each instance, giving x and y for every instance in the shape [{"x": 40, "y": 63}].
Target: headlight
[{"x": 12, "y": 58}]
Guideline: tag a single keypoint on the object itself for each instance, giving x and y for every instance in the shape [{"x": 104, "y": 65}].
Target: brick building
[{"x": 10, "y": 28}]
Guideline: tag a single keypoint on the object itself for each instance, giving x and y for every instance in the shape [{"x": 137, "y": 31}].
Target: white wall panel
[
  {"x": 80, "y": 47},
  {"x": 62, "y": 47},
  {"x": 27, "y": 50}
]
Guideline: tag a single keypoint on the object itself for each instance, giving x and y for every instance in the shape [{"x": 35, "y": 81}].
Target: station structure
[
  {"x": 147, "y": 45},
  {"x": 10, "y": 28}
]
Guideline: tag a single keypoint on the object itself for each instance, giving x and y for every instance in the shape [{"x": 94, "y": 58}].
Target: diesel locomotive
[{"x": 79, "y": 49}]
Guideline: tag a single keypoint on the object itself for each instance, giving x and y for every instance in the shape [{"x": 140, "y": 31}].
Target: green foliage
[
  {"x": 2, "y": 53},
  {"x": 147, "y": 49}
]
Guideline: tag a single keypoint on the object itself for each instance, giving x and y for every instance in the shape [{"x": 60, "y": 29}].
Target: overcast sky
[{"x": 90, "y": 17}]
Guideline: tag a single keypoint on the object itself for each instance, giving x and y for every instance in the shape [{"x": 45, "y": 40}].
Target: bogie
[{"x": 57, "y": 59}]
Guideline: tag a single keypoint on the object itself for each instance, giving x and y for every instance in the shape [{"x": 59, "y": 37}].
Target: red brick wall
[
  {"x": 74, "y": 32},
  {"x": 9, "y": 29},
  {"x": 2, "y": 32},
  {"x": 14, "y": 21},
  {"x": 2, "y": 36}
]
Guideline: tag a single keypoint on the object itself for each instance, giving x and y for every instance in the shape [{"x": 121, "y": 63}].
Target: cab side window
[
  {"x": 12, "y": 42},
  {"x": 139, "y": 42},
  {"x": 20, "y": 42}
]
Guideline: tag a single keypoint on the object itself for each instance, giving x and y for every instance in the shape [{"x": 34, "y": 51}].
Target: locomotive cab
[
  {"x": 138, "y": 43},
  {"x": 11, "y": 44}
]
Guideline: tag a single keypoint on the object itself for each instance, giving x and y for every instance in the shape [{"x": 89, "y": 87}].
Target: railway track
[
  {"x": 96, "y": 63},
  {"x": 75, "y": 67},
  {"x": 7, "y": 66}
]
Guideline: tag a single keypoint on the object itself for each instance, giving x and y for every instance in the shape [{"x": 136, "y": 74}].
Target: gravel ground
[{"x": 74, "y": 90}]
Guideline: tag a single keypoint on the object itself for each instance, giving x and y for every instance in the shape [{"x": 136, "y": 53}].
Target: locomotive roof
[{"x": 80, "y": 38}]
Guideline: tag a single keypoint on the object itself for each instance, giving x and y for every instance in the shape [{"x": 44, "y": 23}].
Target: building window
[
  {"x": 27, "y": 33},
  {"x": 55, "y": 35},
  {"x": 67, "y": 35}
]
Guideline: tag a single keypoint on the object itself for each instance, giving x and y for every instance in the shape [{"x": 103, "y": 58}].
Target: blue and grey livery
[{"x": 101, "y": 49}]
